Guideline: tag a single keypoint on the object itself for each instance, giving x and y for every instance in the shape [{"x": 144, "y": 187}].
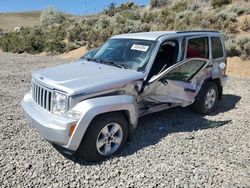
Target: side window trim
[
  {"x": 162, "y": 74},
  {"x": 195, "y": 37},
  {"x": 210, "y": 47}
]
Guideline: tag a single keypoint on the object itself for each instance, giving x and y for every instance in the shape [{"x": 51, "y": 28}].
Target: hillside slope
[
  {"x": 8, "y": 21},
  {"x": 61, "y": 32}
]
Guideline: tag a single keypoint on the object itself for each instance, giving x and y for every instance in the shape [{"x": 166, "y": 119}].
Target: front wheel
[
  {"x": 106, "y": 135},
  {"x": 207, "y": 99}
]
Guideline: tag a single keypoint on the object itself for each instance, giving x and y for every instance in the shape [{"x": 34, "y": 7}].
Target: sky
[{"x": 68, "y": 6}]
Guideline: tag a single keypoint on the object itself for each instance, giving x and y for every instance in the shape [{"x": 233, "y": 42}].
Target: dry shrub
[
  {"x": 220, "y": 3},
  {"x": 245, "y": 25}
]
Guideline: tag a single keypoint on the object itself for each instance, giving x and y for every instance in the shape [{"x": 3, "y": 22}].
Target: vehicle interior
[
  {"x": 197, "y": 47},
  {"x": 166, "y": 57}
]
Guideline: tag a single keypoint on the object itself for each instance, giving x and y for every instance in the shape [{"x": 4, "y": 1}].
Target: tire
[
  {"x": 100, "y": 132},
  {"x": 207, "y": 99}
]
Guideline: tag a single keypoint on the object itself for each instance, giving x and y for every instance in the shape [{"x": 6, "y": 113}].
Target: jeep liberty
[{"x": 92, "y": 105}]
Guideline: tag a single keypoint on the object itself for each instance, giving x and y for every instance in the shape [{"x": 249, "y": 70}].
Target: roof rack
[{"x": 195, "y": 31}]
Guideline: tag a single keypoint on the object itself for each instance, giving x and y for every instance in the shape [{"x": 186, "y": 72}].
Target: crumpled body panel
[{"x": 173, "y": 92}]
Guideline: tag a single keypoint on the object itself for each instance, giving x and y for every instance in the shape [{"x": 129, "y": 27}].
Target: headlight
[{"x": 59, "y": 103}]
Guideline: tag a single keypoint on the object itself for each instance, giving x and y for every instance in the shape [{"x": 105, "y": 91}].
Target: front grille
[{"x": 41, "y": 96}]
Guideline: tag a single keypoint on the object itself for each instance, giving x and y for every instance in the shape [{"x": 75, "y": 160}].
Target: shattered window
[
  {"x": 217, "y": 49},
  {"x": 185, "y": 71},
  {"x": 197, "y": 47}
]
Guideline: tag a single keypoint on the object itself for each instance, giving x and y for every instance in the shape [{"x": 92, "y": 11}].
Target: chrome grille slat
[
  {"x": 38, "y": 96},
  {"x": 47, "y": 102},
  {"x": 41, "y": 96},
  {"x": 36, "y": 91}
]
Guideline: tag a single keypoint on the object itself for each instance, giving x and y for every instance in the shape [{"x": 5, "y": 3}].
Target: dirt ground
[
  {"x": 74, "y": 54},
  {"x": 238, "y": 68}
]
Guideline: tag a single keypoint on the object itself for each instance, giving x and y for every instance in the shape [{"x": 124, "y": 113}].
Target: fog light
[{"x": 71, "y": 130}]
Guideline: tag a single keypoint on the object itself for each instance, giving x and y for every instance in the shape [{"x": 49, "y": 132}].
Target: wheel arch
[
  {"x": 93, "y": 108},
  {"x": 125, "y": 114},
  {"x": 218, "y": 82}
]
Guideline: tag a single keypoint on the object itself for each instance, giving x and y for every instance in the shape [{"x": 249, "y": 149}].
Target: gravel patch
[{"x": 173, "y": 148}]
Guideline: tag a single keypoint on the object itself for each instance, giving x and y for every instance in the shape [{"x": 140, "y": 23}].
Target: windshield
[{"x": 125, "y": 53}]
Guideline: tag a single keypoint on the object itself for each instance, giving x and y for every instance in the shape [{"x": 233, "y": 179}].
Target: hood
[{"x": 85, "y": 77}]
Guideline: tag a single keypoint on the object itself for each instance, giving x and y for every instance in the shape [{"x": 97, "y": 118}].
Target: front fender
[{"x": 92, "y": 107}]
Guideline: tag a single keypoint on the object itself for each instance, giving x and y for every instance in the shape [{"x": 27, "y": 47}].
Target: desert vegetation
[{"x": 60, "y": 32}]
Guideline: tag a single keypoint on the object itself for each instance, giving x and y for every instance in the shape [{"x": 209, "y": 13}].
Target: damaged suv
[{"x": 92, "y": 105}]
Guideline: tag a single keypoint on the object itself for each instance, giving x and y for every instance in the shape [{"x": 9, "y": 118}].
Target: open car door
[{"x": 177, "y": 85}]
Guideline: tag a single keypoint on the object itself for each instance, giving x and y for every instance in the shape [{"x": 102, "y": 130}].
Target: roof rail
[{"x": 194, "y": 31}]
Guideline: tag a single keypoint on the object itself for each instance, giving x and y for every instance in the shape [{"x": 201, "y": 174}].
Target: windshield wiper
[
  {"x": 112, "y": 63},
  {"x": 92, "y": 59}
]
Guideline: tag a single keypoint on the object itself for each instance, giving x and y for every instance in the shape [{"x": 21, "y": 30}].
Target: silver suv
[{"x": 92, "y": 105}]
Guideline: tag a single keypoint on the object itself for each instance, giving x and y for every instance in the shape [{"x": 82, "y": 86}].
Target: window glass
[
  {"x": 185, "y": 71},
  {"x": 167, "y": 56},
  {"x": 129, "y": 53},
  {"x": 197, "y": 47},
  {"x": 217, "y": 49}
]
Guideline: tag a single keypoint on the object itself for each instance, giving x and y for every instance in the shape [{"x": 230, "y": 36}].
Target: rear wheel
[
  {"x": 207, "y": 99},
  {"x": 106, "y": 135}
]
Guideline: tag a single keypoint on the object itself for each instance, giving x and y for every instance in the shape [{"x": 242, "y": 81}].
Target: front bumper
[{"x": 54, "y": 129}]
